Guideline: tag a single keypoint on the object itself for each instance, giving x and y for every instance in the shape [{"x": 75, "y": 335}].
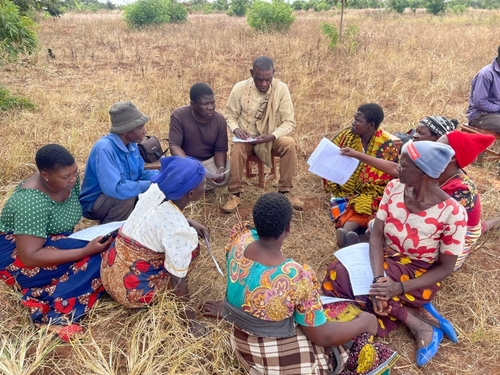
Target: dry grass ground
[{"x": 413, "y": 65}]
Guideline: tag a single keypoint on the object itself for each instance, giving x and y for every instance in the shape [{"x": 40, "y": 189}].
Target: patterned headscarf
[{"x": 439, "y": 125}]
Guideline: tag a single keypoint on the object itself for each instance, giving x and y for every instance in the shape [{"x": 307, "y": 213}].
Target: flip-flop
[
  {"x": 341, "y": 237},
  {"x": 67, "y": 333}
]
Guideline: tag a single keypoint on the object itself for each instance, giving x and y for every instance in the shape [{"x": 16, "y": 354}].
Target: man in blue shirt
[
  {"x": 484, "y": 100},
  {"x": 115, "y": 174}
]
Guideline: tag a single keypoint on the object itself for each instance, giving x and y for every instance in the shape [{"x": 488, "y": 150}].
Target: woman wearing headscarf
[
  {"x": 417, "y": 236},
  {"x": 155, "y": 246},
  {"x": 430, "y": 128}
]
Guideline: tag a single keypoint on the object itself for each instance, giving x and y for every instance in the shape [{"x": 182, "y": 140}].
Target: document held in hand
[
  {"x": 356, "y": 260},
  {"x": 327, "y": 162}
]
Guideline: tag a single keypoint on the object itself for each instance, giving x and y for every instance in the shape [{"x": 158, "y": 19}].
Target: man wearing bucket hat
[{"x": 115, "y": 174}]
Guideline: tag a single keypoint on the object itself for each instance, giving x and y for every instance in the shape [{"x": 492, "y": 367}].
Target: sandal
[{"x": 70, "y": 332}]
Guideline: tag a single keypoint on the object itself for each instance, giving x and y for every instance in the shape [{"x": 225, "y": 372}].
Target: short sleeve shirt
[
  {"x": 422, "y": 235},
  {"x": 161, "y": 227},
  {"x": 198, "y": 140},
  {"x": 272, "y": 293},
  {"x": 31, "y": 212}
]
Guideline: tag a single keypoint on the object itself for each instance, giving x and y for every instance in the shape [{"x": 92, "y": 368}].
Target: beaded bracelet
[
  {"x": 402, "y": 287},
  {"x": 376, "y": 279}
]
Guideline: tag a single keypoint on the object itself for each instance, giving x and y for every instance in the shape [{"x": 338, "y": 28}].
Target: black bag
[{"x": 150, "y": 149}]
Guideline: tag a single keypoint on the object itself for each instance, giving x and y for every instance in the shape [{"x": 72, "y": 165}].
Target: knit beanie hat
[
  {"x": 431, "y": 157},
  {"x": 468, "y": 146},
  {"x": 125, "y": 117},
  {"x": 178, "y": 176},
  {"x": 439, "y": 125}
]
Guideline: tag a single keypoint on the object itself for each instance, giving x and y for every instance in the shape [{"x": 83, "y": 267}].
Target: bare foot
[
  {"x": 423, "y": 314},
  {"x": 490, "y": 224},
  {"x": 198, "y": 329},
  {"x": 212, "y": 309},
  {"x": 421, "y": 330}
]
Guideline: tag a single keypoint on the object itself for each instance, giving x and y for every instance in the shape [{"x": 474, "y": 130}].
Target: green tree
[
  {"x": 17, "y": 37},
  {"x": 435, "y": 6},
  {"x": 28, "y": 7},
  {"x": 269, "y": 17},
  {"x": 220, "y": 5},
  {"x": 154, "y": 12},
  {"x": 238, "y": 8},
  {"x": 17, "y": 32},
  {"x": 398, "y": 5}
]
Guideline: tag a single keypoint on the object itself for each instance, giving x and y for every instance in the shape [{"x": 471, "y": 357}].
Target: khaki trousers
[{"x": 284, "y": 147}]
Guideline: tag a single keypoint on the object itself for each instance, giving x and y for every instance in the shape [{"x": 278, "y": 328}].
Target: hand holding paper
[
  {"x": 248, "y": 140},
  {"x": 215, "y": 176},
  {"x": 327, "y": 162}
]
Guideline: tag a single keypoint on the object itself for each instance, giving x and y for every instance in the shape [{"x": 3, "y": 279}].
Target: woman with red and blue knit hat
[{"x": 157, "y": 242}]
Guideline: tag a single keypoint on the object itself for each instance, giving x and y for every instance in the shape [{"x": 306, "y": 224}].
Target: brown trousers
[{"x": 284, "y": 147}]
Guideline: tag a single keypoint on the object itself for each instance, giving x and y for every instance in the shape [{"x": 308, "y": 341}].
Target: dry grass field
[{"x": 413, "y": 65}]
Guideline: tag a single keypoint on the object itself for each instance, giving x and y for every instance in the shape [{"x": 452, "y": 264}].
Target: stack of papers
[
  {"x": 356, "y": 260},
  {"x": 327, "y": 162}
]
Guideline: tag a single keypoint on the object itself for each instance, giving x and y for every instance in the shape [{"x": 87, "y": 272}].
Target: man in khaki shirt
[{"x": 260, "y": 112}]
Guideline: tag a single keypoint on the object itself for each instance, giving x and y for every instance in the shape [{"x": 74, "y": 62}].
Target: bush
[
  {"x": 8, "y": 101},
  {"x": 332, "y": 33},
  {"x": 321, "y": 7},
  {"x": 269, "y": 17},
  {"x": 17, "y": 33},
  {"x": 398, "y": 5},
  {"x": 350, "y": 37},
  {"x": 238, "y": 8},
  {"x": 154, "y": 12},
  {"x": 177, "y": 12},
  {"x": 435, "y": 6}
]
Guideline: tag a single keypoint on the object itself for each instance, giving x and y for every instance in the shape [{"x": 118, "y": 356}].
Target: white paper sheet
[
  {"x": 356, "y": 259},
  {"x": 325, "y": 300},
  {"x": 99, "y": 230},
  {"x": 248, "y": 140},
  {"x": 215, "y": 175},
  {"x": 327, "y": 162}
]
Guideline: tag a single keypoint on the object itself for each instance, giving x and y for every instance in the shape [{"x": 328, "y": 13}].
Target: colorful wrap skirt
[
  {"x": 59, "y": 294},
  {"x": 133, "y": 274},
  {"x": 398, "y": 268}
]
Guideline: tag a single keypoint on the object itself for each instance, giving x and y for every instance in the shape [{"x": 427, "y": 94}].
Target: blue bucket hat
[{"x": 178, "y": 176}]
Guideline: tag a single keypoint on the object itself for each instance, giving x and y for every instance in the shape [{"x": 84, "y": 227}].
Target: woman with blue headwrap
[{"x": 155, "y": 246}]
